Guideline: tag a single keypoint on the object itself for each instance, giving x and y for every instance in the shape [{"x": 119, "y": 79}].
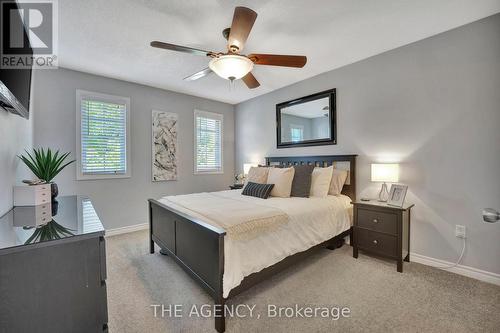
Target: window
[
  {"x": 296, "y": 133},
  {"x": 208, "y": 142},
  {"x": 103, "y": 136},
  {"x": 90, "y": 221}
]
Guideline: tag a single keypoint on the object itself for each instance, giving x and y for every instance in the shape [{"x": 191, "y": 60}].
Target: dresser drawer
[
  {"x": 43, "y": 188},
  {"x": 43, "y": 212},
  {"x": 376, "y": 242},
  {"x": 377, "y": 221},
  {"x": 42, "y": 196}
]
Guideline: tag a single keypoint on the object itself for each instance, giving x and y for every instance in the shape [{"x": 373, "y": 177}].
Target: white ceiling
[{"x": 111, "y": 37}]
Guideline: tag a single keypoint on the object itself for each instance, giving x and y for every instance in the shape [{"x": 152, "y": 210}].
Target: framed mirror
[{"x": 307, "y": 121}]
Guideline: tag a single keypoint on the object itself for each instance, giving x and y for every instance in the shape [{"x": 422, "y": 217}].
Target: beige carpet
[{"x": 422, "y": 299}]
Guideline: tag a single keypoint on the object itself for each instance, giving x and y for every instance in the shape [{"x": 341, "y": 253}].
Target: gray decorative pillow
[
  {"x": 301, "y": 185},
  {"x": 258, "y": 190}
]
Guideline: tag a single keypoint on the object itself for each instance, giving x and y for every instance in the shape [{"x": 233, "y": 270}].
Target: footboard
[{"x": 195, "y": 245}]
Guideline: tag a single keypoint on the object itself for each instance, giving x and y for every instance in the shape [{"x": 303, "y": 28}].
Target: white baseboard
[
  {"x": 125, "y": 230},
  {"x": 459, "y": 269}
]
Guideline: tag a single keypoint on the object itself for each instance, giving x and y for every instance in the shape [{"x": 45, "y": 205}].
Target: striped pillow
[{"x": 257, "y": 190}]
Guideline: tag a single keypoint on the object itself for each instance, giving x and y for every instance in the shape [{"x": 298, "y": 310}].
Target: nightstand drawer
[
  {"x": 376, "y": 242},
  {"x": 377, "y": 221}
]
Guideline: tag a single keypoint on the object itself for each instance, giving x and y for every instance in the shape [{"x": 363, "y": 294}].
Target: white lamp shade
[
  {"x": 231, "y": 66},
  {"x": 384, "y": 172},
  {"x": 247, "y": 166}
]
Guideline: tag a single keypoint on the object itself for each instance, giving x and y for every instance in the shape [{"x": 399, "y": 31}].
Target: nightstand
[
  {"x": 235, "y": 186},
  {"x": 383, "y": 230}
]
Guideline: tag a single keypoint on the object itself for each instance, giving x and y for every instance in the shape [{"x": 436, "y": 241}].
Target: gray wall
[
  {"x": 122, "y": 202},
  {"x": 320, "y": 127},
  {"x": 15, "y": 136},
  {"x": 434, "y": 107},
  {"x": 288, "y": 120}
]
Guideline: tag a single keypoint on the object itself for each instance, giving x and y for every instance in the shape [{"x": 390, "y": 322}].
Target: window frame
[
  {"x": 81, "y": 94},
  {"x": 216, "y": 116},
  {"x": 297, "y": 127}
]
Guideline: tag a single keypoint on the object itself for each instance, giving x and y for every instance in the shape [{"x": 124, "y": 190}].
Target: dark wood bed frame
[{"x": 199, "y": 247}]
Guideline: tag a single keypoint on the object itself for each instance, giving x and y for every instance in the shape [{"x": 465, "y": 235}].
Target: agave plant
[
  {"x": 44, "y": 163},
  {"x": 49, "y": 231}
]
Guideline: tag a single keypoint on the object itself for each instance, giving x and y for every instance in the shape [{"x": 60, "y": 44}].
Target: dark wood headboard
[{"x": 347, "y": 162}]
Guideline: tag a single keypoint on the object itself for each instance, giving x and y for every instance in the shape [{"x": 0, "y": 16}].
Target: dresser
[
  {"x": 382, "y": 230},
  {"x": 53, "y": 270}
]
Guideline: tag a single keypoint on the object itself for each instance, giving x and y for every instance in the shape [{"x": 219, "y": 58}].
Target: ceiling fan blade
[
  {"x": 250, "y": 81},
  {"x": 179, "y": 48},
  {"x": 243, "y": 20},
  {"x": 198, "y": 75},
  {"x": 278, "y": 60}
]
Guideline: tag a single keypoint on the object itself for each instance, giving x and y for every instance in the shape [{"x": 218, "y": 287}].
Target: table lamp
[
  {"x": 385, "y": 173},
  {"x": 246, "y": 167}
]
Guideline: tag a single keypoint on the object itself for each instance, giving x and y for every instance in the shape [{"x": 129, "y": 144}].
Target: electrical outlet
[{"x": 460, "y": 231}]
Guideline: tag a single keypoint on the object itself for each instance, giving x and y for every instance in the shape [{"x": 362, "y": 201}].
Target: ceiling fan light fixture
[{"x": 231, "y": 66}]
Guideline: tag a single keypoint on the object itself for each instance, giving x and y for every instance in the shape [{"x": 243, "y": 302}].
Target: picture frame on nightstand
[{"x": 397, "y": 195}]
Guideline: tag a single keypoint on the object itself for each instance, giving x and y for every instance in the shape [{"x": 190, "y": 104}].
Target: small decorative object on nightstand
[
  {"x": 236, "y": 186},
  {"x": 239, "y": 179},
  {"x": 397, "y": 195},
  {"x": 383, "y": 230},
  {"x": 385, "y": 173}
]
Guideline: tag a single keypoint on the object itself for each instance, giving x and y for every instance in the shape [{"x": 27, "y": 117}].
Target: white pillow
[
  {"x": 339, "y": 177},
  {"x": 320, "y": 181},
  {"x": 257, "y": 175},
  {"x": 282, "y": 179}
]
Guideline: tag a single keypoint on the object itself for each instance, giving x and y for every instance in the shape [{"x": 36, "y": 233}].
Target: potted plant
[
  {"x": 239, "y": 178},
  {"x": 46, "y": 164}
]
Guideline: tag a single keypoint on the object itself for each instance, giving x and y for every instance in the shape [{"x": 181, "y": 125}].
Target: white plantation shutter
[
  {"x": 90, "y": 220},
  {"x": 208, "y": 142},
  {"x": 103, "y": 136}
]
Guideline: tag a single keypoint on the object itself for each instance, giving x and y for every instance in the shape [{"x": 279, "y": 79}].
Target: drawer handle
[
  {"x": 375, "y": 242},
  {"x": 375, "y": 220}
]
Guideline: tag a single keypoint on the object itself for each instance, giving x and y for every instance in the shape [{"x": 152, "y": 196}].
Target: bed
[{"x": 225, "y": 264}]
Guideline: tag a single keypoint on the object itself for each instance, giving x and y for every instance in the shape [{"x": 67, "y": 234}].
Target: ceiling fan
[{"x": 232, "y": 65}]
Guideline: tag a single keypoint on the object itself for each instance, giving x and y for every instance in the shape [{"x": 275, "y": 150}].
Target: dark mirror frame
[{"x": 332, "y": 140}]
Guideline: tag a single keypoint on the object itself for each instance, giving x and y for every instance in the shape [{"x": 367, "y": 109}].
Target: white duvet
[
  {"x": 239, "y": 218},
  {"x": 310, "y": 221}
]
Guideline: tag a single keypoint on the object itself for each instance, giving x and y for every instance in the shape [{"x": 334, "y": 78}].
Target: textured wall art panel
[{"x": 164, "y": 145}]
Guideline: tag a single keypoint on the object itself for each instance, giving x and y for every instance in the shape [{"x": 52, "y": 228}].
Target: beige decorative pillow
[
  {"x": 257, "y": 175},
  {"x": 320, "y": 182},
  {"x": 282, "y": 179},
  {"x": 339, "y": 177}
]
